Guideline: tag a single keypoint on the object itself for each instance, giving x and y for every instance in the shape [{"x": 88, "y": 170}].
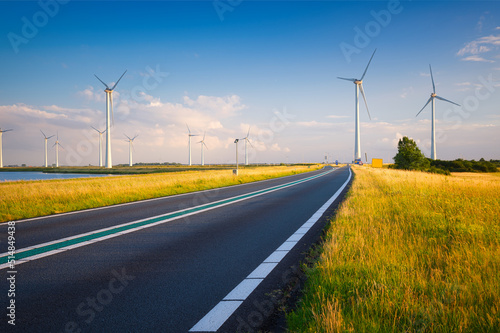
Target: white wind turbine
[
  {"x": 247, "y": 141},
  {"x": 359, "y": 86},
  {"x": 100, "y": 144},
  {"x": 57, "y": 145},
  {"x": 46, "y": 138},
  {"x": 1, "y": 153},
  {"x": 109, "y": 114},
  {"x": 433, "y": 116},
  {"x": 202, "y": 142},
  {"x": 130, "y": 140},
  {"x": 189, "y": 145}
]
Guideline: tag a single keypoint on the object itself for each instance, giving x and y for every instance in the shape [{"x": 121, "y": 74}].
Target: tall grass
[
  {"x": 408, "y": 252},
  {"x": 25, "y": 199}
]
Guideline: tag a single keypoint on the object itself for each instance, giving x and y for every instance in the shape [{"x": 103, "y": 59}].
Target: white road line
[
  {"x": 197, "y": 210},
  {"x": 214, "y": 319},
  {"x": 152, "y": 199}
]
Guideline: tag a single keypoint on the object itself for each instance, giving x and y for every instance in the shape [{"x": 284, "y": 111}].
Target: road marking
[
  {"x": 53, "y": 247},
  {"x": 222, "y": 311},
  {"x": 145, "y": 200}
]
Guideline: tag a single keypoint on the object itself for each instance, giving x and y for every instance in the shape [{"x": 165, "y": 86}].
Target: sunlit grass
[
  {"x": 408, "y": 252},
  {"x": 25, "y": 199}
]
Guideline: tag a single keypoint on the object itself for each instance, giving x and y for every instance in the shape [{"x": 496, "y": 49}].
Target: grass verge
[
  {"x": 408, "y": 252},
  {"x": 25, "y": 199}
]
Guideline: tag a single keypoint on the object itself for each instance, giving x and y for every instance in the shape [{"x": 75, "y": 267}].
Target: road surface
[{"x": 195, "y": 262}]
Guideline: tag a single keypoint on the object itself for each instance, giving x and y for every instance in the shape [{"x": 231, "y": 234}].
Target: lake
[{"x": 32, "y": 175}]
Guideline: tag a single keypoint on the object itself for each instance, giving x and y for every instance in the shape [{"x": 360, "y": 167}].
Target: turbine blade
[
  {"x": 49, "y": 137},
  {"x": 102, "y": 81},
  {"x": 127, "y": 136},
  {"x": 343, "y": 78},
  {"x": 43, "y": 134},
  {"x": 205, "y": 145},
  {"x": 118, "y": 80},
  {"x": 250, "y": 143},
  {"x": 432, "y": 78},
  {"x": 95, "y": 128},
  {"x": 248, "y": 134},
  {"x": 364, "y": 97},
  {"x": 444, "y": 99},
  {"x": 204, "y": 136},
  {"x": 188, "y": 129},
  {"x": 364, "y": 73},
  {"x": 428, "y": 101},
  {"x": 135, "y": 137}
]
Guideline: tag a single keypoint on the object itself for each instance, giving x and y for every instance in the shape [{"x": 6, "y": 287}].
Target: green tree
[{"x": 409, "y": 156}]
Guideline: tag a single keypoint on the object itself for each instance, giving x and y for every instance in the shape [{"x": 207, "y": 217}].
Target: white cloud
[
  {"x": 482, "y": 45},
  {"x": 332, "y": 116}
]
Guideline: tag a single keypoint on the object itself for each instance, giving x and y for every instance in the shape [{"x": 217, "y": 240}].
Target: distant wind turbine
[
  {"x": 130, "y": 140},
  {"x": 46, "y": 138},
  {"x": 109, "y": 114},
  {"x": 189, "y": 145},
  {"x": 202, "y": 142},
  {"x": 1, "y": 153},
  {"x": 57, "y": 145},
  {"x": 100, "y": 144},
  {"x": 433, "y": 116},
  {"x": 359, "y": 86},
  {"x": 247, "y": 141}
]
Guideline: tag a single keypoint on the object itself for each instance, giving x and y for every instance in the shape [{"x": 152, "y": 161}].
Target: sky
[{"x": 226, "y": 67}]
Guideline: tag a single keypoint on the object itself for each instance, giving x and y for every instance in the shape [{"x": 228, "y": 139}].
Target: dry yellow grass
[
  {"x": 36, "y": 198},
  {"x": 409, "y": 252}
]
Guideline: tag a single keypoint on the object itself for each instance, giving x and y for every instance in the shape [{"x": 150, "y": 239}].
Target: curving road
[{"x": 195, "y": 262}]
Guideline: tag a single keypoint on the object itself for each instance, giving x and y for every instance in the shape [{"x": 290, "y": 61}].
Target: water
[{"x": 32, "y": 175}]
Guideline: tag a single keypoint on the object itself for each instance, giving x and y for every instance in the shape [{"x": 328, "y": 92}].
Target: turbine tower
[
  {"x": 433, "y": 116},
  {"x": 189, "y": 145},
  {"x": 247, "y": 141},
  {"x": 57, "y": 145},
  {"x": 359, "y": 86},
  {"x": 100, "y": 144},
  {"x": 46, "y": 138},
  {"x": 109, "y": 115},
  {"x": 130, "y": 140},
  {"x": 1, "y": 153},
  {"x": 202, "y": 142}
]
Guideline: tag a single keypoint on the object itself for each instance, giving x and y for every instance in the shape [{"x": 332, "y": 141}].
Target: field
[
  {"x": 408, "y": 252},
  {"x": 25, "y": 199}
]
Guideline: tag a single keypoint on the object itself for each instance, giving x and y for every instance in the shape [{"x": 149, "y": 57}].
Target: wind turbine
[
  {"x": 46, "y": 138},
  {"x": 100, "y": 144},
  {"x": 359, "y": 86},
  {"x": 57, "y": 145},
  {"x": 109, "y": 114},
  {"x": 190, "y": 135},
  {"x": 130, "y": 140},
  {"x": 1, "y": 153},
  {"x": 432, "y": 99},
  {"x": 202, "y": 142},
  {"x": 247, "y": 141}
]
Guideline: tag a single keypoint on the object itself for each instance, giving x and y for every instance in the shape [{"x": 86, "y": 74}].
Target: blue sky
[{"x": 223, "y": 67}]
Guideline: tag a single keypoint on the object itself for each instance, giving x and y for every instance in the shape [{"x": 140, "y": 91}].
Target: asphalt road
[{"x": 163, "y": 266}]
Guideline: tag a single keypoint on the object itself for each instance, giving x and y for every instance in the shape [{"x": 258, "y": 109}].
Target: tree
[{"x": 409, "y": 156}]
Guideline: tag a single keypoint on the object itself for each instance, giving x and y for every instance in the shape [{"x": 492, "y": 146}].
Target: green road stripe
[{"x": 99, "y": 234}]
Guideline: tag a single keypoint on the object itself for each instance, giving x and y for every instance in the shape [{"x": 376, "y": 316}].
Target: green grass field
[
  {"x": 25, "y": 199},
  {"x": 408, "y": 252}
]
